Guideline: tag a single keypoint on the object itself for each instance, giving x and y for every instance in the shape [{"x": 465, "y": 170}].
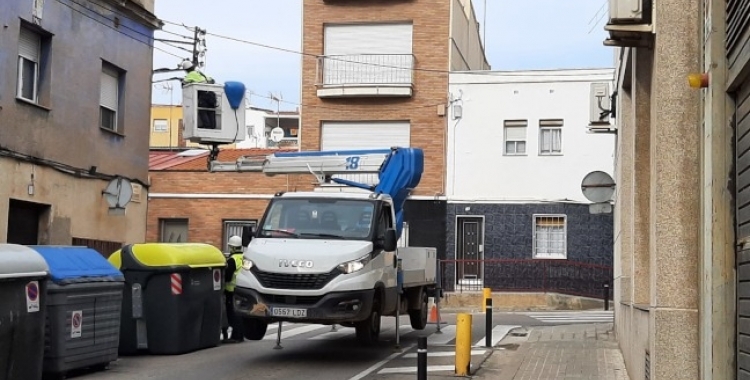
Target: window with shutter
[
  {"x": 161, "y": 125},
  {"x": 515, "y": 137},
  {"x": 108, "y": 99},
  {"x": 550, "y": 137},
  {"x": 29, "y": 54}
]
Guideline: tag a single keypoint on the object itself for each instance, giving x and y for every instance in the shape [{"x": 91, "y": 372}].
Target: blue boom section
[{"x": 399, "y": 174}]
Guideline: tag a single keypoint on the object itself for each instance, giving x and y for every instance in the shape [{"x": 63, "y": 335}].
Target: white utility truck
[{"x": 332, "y": 257}]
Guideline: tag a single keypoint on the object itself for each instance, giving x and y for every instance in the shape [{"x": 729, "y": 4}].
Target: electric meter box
[{"x": 208, "y": 114}]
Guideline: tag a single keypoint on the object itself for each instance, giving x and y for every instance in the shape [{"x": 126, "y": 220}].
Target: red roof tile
[{"x": 164, "y": 160}]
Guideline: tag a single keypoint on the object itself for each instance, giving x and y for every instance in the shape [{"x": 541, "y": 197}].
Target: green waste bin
[
  {"x": 23, "y": 291},
  {"x": 172, "y": 298}
]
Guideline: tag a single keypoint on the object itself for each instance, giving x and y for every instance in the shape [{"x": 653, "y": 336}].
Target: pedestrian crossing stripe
[{"x": 572, "y": 316}]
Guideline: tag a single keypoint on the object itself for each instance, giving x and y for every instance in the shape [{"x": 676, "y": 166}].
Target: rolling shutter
[
  {"x": 742, "y": 220},
  {"x": 368, "y": 39},
  {"x": 364, "y": 135},
  {"x": 109, "y": 90},
  {"x": 29, "y": 45},
  {"x": 738, "y": 21}
]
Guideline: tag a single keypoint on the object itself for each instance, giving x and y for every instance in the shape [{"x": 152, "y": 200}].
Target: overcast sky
[{"x": 520, "y": 35}]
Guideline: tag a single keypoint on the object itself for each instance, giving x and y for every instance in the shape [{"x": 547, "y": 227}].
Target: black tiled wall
[{"x": 509, "y": 234}]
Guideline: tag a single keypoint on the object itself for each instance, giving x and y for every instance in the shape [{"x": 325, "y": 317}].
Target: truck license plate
[{"x": 288, "y": 312}]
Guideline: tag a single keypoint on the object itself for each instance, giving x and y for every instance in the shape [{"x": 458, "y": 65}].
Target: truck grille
[
  {"x": 291, "y": 300},
  {"x": 293, "y": 281}
]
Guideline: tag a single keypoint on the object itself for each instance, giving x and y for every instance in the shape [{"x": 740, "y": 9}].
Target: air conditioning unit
[
  {"x": 626, "y": 11},
  {"x": 630, "y": 23},
  {"x": 599, "y": 104}
]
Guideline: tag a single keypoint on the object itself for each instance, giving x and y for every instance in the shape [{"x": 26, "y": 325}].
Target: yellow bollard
[
  {"x": 463, "y": 344},
  {"x": 487, "y": 294}
]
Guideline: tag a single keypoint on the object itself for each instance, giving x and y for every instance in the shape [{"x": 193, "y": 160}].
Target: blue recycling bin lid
[{"x": 73, "y": 264}]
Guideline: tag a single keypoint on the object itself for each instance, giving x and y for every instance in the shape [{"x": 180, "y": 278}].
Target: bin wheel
[{"x": 255, "y": 329}]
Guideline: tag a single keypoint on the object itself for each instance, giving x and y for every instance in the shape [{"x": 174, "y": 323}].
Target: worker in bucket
[
  {"x": 234, "y": 265},
  {"x": 206, "y": 99},
  {"x": 193, "y": 75}
]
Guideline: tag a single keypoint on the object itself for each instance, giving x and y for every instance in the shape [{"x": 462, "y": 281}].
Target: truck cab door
[{"x": 385, "y": 221}]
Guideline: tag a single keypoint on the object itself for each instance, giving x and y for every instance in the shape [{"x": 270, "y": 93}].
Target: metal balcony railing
[
  {"x": 526, "y": 275},
  {"x": 366, "y": 69}
]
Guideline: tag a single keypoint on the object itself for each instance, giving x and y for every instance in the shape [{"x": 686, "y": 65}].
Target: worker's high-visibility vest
[
  {"x": 237, "y": 257},
  {"x": 196, "y": 76}
]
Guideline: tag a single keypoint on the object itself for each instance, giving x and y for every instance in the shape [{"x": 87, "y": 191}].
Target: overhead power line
[
  {"x": 250, "y": 94},
  {"x": 333, "y": 58},
  {"x": 112, "y": 27}
]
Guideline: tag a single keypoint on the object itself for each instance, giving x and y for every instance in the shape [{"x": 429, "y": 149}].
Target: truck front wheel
[
  {"x": 255, "y": 329},
  {"x": 368, "y": 331},
  {"x": 418, "y": 317}
]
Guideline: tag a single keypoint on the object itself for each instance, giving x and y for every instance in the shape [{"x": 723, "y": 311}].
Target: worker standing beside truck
[{"x": 234, "y": 265}]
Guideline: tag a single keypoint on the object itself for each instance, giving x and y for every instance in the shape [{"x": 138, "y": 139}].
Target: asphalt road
[{"x": 315, "y": 352}]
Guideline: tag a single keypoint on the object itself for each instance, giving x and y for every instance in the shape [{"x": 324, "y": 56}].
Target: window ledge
[
  {"x": 550, "y": 258},
  {"x": 29, "y": 102},
  {"x": 112, "y": 132},
  {"x": 515, "y": 154},
  {"x": 550, "y": 154}
]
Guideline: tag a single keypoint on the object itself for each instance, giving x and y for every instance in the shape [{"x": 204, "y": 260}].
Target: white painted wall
[
  {"x": 257, "y": 119},
  {"x": 478, "y": 170}
]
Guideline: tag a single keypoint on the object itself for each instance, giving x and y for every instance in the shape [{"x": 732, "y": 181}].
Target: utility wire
[
  {"x": 332, "y": 58},
  {"x": 250, "y": 94},
  {"x": 112, "y": 27}
]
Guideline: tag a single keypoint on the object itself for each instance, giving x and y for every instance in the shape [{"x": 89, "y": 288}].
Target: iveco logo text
[{"x": 296, "y": 263}]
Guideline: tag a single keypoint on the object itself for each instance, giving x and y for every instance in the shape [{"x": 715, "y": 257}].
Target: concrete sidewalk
[{"x": 581, "y": 352}]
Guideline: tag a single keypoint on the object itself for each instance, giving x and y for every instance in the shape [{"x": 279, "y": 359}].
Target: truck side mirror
[
  {"x": 247, "y": 235},
  {"x": 390, "y": 241}
]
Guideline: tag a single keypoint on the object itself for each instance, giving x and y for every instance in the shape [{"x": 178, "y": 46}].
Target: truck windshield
[{"x": 318, "y": 218}]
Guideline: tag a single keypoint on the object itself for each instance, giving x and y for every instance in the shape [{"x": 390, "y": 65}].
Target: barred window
[{"x": 550, "y": 237}]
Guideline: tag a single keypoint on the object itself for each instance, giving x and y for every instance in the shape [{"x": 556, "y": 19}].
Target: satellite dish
[
  {"x": 598, "y": 187},
  {"x": 277, "y": 134},
  {"x": 118, "y": 193}
]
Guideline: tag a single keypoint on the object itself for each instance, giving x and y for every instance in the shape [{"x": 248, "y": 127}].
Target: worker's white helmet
[
  {"x": 186, "y": 64},
  {"x": 235, "y": 241}
]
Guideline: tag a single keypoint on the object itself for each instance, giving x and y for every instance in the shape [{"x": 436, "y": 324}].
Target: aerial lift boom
[{"x": 399, "y": 170}]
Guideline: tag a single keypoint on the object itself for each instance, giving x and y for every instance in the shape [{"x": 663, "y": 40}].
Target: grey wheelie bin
[
  {"x": 84, "y": 298},
  {"x": 172, "y": 297},
  {"x": 23, "y": 295}
]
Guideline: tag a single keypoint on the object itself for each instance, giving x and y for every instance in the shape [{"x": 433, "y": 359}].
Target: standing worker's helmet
[
  {"x": 186, "y": 65},
  {"x": 235, "y": 241}
]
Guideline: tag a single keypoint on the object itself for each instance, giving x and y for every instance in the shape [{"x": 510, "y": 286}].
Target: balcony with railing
[{"x": 359, "y": 75}]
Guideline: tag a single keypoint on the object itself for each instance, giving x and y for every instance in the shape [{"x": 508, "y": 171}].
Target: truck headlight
[
  {"x": 354, "y": 265},
  {"x": 247, "y": 264}
]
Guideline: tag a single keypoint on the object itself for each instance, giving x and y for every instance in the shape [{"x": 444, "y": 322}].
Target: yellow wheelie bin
[{"x": 172, "y": 298}]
